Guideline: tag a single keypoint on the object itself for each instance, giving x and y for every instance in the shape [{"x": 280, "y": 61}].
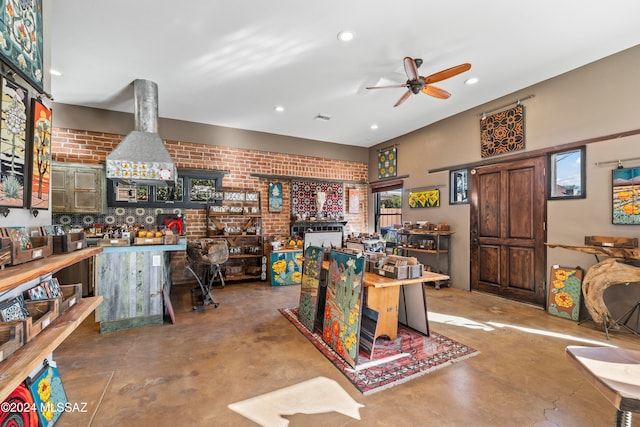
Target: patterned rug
[{"x": 409, "y": 356}]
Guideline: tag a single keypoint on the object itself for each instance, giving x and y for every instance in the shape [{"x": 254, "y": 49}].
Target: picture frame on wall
[
  {"x": 22, "y": 32},
  {"x": 14, "y": 168},
  {"x": 625, "y": 197},
  {"x": 40, "y": 143},
  {"x": 459, "y": 187},
  {"x": 275, "y": 197},
  {"x": 424, "y": 199}
]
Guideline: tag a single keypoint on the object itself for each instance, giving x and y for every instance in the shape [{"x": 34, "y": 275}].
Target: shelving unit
[
  {"x": 236, "y": 215},
  {"x": 29, "y": 357},
  {"x": 432, "y": 243}
]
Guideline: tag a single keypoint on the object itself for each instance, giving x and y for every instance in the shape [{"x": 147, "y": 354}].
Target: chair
[
  {"x": 614, "y": 372},
  {"x": 204, "y": 257}
]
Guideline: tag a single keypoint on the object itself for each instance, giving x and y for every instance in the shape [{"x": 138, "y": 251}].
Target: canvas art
[
  {"x": 286, "y": 267},
  {"x": 565, "y": 290},
  {"x": 317, "y": 199},
  {"x": 342, "y": 311},
  {"x": 424, "y": 199},
  {"x": 626, "y": 200},
  {"x": 13, "y": 145},
  {"x": 275, "y": 197},
  {"x": 40, "y": 155},
  {"x": 311, "y": 269},
  {"x": 21, "y": 32},
  {"x": 20, "y": 399},
  {"x": 48, "y": 395},
  {"x": 354, "y": 200},
  {"x": 387, "y": 163},
  {"x": 502, "y": 132}
]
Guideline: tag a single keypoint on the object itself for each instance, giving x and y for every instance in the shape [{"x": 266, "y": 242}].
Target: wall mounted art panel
[
  {"x": 41, "y": 155},
  {"x": 502, "y": 132},
  {"x": 305, "y": 201},
  {"x": 388, "y": 163},
  {"x": 626, "y": 199},
  {"x": 424, "y": 199}
]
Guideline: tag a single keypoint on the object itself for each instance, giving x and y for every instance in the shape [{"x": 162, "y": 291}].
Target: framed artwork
[
  {"x": 13, "y": 309},
  {"x": 22, "y": 33},
  {"x": 13, "y": 145},
  {"x": 388, "y": 163},
  {"x": 565, "y": 289},
  {"x": 502, "y": 132},
  {"x": 424, "y": 199},
  {"x": 342, "y": 310},
  {"x": 567, "y": 175},
  {"x": 459, "y": 187},
  {"x": 40, "y": 155},
  {"x": 275, "y": 197},
  {"x": 286, "y": 267},
  {"x": 354, "y": 200},
  {"x": 626, "y": 200}
]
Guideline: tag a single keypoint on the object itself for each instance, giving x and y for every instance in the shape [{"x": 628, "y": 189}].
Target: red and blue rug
[{"x": 409, "y": 356}]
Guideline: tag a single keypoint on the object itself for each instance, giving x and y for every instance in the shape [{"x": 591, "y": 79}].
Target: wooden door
[{"x": 508, "y": 214}]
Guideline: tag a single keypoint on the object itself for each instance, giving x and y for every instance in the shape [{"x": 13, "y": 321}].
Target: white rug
[{"x": 315, "y": 396}]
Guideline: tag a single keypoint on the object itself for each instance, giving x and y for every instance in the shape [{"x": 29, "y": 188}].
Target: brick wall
[{"x": 78, "y": 146}]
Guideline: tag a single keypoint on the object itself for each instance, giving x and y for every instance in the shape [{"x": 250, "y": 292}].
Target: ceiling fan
[{"x": 417, "y": 83}]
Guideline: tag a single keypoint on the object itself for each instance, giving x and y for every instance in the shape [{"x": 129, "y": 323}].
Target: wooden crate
[
  {"x": 69, "y": 242},
  {"x": 42, "y": 247},
  {"x": 114, "y": 242},
  {"x": 611, "y": 242},
  {"x": 148, "y": 241},
  {"x": 71, "y": 294},
  {"x": 171, "y": 239},
  {"x": 11, "y": 338},
  {"x": 41, "y": 314},
  {"x": 5, "y": 251}
]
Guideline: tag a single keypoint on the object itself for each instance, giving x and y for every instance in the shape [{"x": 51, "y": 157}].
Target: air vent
[{"x": 322, "y": 117}]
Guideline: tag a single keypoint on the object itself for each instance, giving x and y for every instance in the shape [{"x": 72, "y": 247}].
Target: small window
[{"x": 567, "y": 174}]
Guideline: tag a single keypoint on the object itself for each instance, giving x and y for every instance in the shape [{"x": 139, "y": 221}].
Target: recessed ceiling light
[
  {"x": 346, "y": 36},
  {"x": 374, "y": 127},
  {"x": 471, "y": 81},
  {"x": 55, "y": 72},
  {"x": 279, "y": 108}
]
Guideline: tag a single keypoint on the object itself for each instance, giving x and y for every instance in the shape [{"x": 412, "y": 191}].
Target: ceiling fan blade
[
  {"x": 403, "y": 98},
  {"x": 385, "y": 87},
  {"x": 411, "y": 68},
  {"x": 436, "y": 92},
  {"x": 445, "y": 74}
]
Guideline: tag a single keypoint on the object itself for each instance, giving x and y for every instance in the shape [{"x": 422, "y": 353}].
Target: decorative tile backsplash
[{"x": 114, "y": 217}]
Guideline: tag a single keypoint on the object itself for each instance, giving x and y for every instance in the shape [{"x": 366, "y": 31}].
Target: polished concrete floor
[{"x": 188, "y": 372}]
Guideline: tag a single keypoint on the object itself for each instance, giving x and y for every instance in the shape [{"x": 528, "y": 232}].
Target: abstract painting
[
  {"x": 311, "y": 269},
  {"x": 387, "y": 163},
  {"x": 304, "y": 197},
  {"x": 502, "y": 132},
  {"x": 21, "y": 34},
  {"x": 41, "y": 155},
  {"x": 565, "y": 289},
  {"x": 13, "y": 144},
  {"x": 626, "y": 199},
  {"x": 342, "y": 311}
]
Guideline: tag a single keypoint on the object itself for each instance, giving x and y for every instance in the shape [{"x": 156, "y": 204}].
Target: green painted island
[{"x": 131, "y": 280}]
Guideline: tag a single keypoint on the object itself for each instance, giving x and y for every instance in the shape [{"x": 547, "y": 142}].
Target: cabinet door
[{"x": 77, "y": 188}]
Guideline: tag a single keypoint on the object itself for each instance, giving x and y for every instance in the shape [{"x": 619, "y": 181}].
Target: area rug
[{"x": 409, "y": 356}]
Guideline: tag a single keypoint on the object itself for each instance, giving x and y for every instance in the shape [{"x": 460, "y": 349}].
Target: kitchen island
[{"x": 131, "y": 280}]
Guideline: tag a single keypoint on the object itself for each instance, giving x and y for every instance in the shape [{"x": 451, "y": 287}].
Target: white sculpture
[{"x": 321, "y": 197}]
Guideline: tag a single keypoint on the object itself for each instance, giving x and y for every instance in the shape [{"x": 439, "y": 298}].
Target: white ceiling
[{"x": 230, "y": 63}]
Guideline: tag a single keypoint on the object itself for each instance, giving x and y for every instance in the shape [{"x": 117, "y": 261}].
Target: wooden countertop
[{"x": 377, "y": 281}]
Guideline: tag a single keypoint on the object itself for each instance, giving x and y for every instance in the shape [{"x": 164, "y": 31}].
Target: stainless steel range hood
[{"x": 142, "y": 158}]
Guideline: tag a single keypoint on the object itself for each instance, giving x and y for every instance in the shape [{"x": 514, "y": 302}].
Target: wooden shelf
[
  {"x": 30, "y": 356},
  {"x": 245, "y": 256},
  {"x": 428, "y": 251},
  {"x": 14, "y": 276}
]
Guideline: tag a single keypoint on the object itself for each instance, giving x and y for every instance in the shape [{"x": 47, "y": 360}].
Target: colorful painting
[
  {"x": 502, "y": 132},
  {"x": 424, "y": 199},
  {"x": 48, "y": 395},
  {"x": 13, "y": 309},
  {"x": 313, "y": 257},
  {"x": 341, "y": 327},
  {"x": 19, "y": 403},
  {"x": 19, "y": 235},
  {"x": 21, "y": 38},
  {"x": 13, "y": 145},
  {"x": 41, "y": 155},
  {"x": 565, "y": 289},
  {"x": 304, "y": 194},
  {"x": 387, "y": 163},
  {"x": 626, "y": 196},
  {"x": 286, "y": 267},
  {"x": 275, "y": 197}
]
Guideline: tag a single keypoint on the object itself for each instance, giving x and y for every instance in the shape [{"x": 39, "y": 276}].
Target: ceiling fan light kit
[{"x": 417, "y": 83}]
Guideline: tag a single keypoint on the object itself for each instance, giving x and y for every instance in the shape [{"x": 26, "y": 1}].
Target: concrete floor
[{"x": 187, "y": 373}]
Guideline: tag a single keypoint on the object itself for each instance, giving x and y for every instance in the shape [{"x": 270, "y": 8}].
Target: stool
[{"x": 614, "y": 372}]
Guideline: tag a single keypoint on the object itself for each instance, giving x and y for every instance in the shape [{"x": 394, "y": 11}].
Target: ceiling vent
[{"x": 142, "y": 158}]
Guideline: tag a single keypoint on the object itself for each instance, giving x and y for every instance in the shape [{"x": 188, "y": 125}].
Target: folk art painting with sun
[{"x": 565, "y": 289}]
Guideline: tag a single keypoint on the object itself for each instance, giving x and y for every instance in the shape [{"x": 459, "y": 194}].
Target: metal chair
[{"x": 204, "y": 257}]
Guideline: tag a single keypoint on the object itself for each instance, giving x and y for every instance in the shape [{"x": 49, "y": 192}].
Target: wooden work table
[{"x": 396, "y": 301}]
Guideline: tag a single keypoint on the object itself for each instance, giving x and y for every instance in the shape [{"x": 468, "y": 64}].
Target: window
[{"x": 567, "y": 174}]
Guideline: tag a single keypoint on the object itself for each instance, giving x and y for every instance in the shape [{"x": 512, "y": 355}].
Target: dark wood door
[{"x": 508, "y": 214}]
